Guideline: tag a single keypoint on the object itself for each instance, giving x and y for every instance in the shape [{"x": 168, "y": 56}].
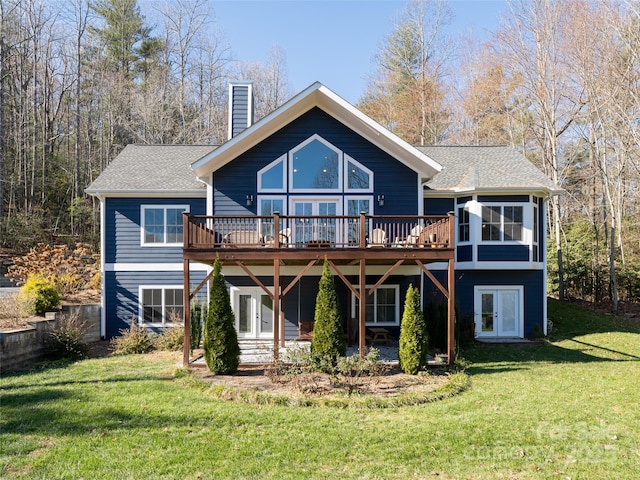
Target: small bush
[
  {"x": 414, "y": 341},
  {"x": 196, "y": 325},
  {"x": 13, "y": 309},
  {"x": 134, "y": 339},
  {"x": 40, "y": 294},
  {"x": 66, "y": 339},
  {"x": 171, "y": 339}
]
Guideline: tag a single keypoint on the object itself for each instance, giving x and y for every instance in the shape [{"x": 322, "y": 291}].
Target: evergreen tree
[
  {"x": 328, "y": 335},
  {"x": 221, "y": 349},
  {"x": 414, "y": 340}
]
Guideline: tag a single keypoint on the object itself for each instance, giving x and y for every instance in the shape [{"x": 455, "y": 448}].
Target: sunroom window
[{"x": 502, "y": 223}]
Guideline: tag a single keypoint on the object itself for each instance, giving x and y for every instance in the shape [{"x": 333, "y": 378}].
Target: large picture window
[
  {"x": 161, "y": 305},
  {"x": 162, "y": 224},
  {"x": 382, "y": 307},
  {"x": 315, "y": 165},
  {"x": 502, "y": 223}
]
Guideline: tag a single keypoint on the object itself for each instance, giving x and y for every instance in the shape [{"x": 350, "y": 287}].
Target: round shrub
[
  {"x": 171, "y": 339},
  {"x": 40, "y": 294},
  {"x": 134, "y": 339}
]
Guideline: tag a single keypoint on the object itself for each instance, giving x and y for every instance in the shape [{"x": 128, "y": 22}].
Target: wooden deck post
[
  {"x": 362, "y": 308},
  {"x": 276, "y": 310},
  {"x": 451, "y": 304},
  {"x": 186, "y": 347}
]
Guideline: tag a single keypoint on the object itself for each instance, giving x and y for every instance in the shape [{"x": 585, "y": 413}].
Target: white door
[
  {"x": 253, "y": 310},
  {"x": 499, "y": 311}
]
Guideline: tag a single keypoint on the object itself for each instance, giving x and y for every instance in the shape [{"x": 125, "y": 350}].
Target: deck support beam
[
  {"x": 186, "y": 346},
  {"x": 278, "y": 324},
  {"x": 362, "y": 308}
]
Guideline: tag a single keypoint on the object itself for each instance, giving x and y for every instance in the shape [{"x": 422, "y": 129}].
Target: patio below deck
[{"x": 300, "y": 241}]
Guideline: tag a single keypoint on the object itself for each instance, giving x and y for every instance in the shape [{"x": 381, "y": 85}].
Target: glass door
[
  {"x": 315, "y": 228},
  {"x": 254, "y": 313},
  {"x": 498, "y": 311}
]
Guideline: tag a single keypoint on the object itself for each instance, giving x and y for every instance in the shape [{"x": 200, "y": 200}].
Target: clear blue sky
[{"x": 333, "y": 42}]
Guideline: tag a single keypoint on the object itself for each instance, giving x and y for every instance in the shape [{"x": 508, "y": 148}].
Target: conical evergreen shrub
[
  {"x": 328, "y": 341},
  {"x": 414, "y": 340},
  {"x": 221, "y": 349}
]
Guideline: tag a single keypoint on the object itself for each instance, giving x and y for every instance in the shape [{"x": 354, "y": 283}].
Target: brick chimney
[{"x": 240, "y": 107}]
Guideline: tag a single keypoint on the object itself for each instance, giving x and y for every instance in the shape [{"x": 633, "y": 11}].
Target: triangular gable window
[
  {"x": 316, "y": 165},
  {"x": 272, "y": 177},
  {"x": 359, "y": 178}
]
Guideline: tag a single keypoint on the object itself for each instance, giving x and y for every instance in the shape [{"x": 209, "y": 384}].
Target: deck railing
[{"x": 342, "y": 231}]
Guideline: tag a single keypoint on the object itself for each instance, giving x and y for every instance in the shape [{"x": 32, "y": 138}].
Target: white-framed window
[
  {"x": 161, "y": 304},
  {"x": 502, "y": 223},
  {"x": 273, "y": 177},
  {"x": 162, "y": 224},
  {"x": 382, "y": 307},
  {"x": 315, "y": 164},
  {"x": 358, "y": 177},
  {"x": 353, "y": 205},
  {"x": 268, "y": 204},
  {"x": 463, "y": 225}
]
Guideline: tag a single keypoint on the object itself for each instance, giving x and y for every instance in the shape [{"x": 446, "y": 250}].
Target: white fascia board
[
  {"x": 320, "y": 96},
  {"x": 102, "y": 194},
  {"x": 492, "y": 191}
]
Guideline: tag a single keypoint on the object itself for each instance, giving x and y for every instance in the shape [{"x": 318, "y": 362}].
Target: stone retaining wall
[{"x": 21, "y": 348}]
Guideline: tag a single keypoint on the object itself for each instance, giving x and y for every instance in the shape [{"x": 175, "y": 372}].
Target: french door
[
  {"x": 315, "y": 230},
  {"x": 253, "y": 310},
  {"x": 499, "y": 311}
]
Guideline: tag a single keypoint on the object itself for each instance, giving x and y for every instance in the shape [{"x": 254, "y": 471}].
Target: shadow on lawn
[{"x": 570, "y": 321}]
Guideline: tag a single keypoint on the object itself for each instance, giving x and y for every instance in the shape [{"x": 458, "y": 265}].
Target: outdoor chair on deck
[
  {"x": 243, "y": 238},
  {"x": 378, "y": 238}
]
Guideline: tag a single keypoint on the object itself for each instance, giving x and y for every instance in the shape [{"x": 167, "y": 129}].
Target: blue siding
[
  {"x": 462, "y": 200},
  {"x": 240, "y": 114},
  {"x": 466, "y": 280},
  {"x": 234, "y": 181},
  {"x": 121, "y": 298},
  {"x": 438, "y": 206},
  {"x": 122, "y": 230},
  {"x": 464, "y": 253},
  {"x": 503, "y": 253}
]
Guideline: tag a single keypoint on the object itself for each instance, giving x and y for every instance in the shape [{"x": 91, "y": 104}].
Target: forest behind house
[{"x": 558, "y": 80}]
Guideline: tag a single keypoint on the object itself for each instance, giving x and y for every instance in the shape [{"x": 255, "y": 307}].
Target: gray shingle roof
[
  {"x": 152, "y": 168},
  {"x": 480, "y": 167}
]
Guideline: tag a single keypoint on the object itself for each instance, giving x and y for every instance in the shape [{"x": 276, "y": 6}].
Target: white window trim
[
  {"x": 527, "y": 223},
  {"x": 141, "y": 289},
  {"x": 340, "y": 167},
  {"x": 466, "y": 207},
  {"x": 345, "y": 175},
  {"x": 315, "y": 198},
  {"x": 184, "y": 208},
  {"x": 347, "y": 198},
  {"x": 272, "y": 197},
  {"x": 355, "y": 314},
  {"x": 477, "y": 305},
  {"x": 283, "y": 159}
]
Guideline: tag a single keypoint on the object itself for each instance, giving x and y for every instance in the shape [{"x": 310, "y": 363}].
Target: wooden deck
[{"x": 357, "y": 241}]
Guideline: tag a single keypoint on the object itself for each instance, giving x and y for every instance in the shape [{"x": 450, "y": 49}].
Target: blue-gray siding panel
[
  {"x": 438, "y": 206},
  {"x": 123, "y": 230},
  {"x": 464, "y": 253},
  {"x": 234, "y": 181},
  {"x": 503, "y": 253},
  {"x": 466, "y": 280},
  {"x": 240, "y": 109},
  {"x": 121, "y": 299}
]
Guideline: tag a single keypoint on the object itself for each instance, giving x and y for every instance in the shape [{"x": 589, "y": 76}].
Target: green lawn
[{"x": 568, "y": 409}]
